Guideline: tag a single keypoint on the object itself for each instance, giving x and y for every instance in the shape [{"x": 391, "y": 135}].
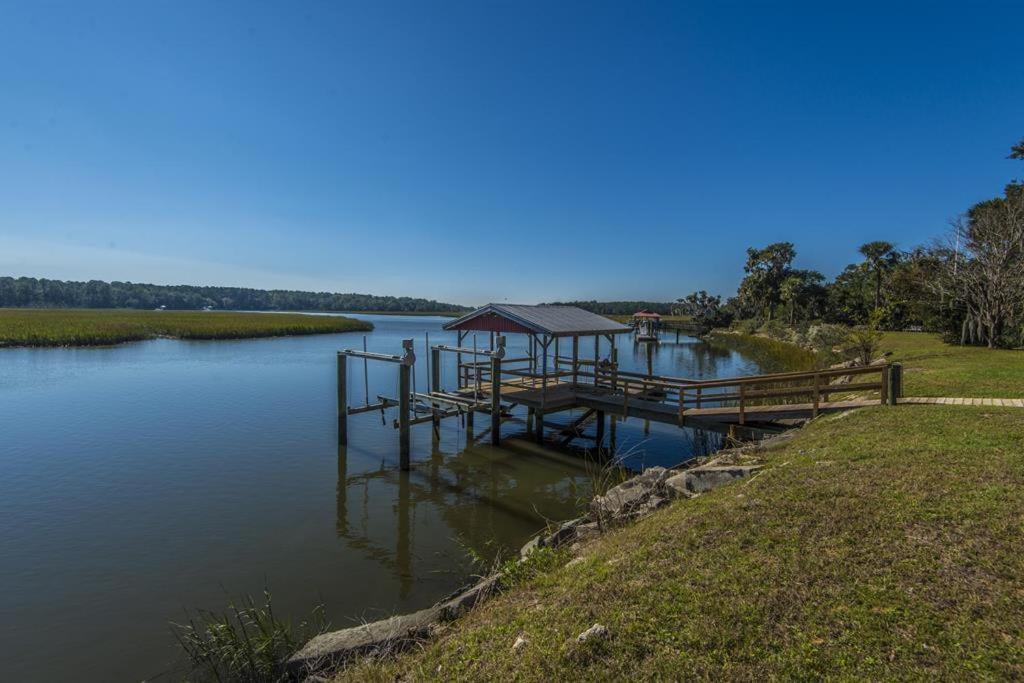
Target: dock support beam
[
  {"x": 600, "y": 431},
  {"x": 495, "y": 401},
  {"x": 538, "y": 428},
  {"x": 529, "y": 420},
  {"x": 342, "y": 400},
  {"x": 435, "y": 370},
  {"x": 403, "y": 416},
  {"x": 575, "y": 360}
]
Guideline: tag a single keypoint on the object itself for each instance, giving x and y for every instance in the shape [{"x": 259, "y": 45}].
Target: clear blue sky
[{"x": 492, "y": 151}]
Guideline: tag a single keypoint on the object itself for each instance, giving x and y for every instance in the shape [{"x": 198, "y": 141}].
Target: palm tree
[{"x": 879, "y": 256}]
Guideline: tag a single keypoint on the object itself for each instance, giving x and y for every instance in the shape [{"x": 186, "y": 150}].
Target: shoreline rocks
[{"x": 634, "y": 498}]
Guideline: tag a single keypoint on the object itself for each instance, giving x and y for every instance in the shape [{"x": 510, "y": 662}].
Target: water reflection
[{"x": 487, "y": 498}]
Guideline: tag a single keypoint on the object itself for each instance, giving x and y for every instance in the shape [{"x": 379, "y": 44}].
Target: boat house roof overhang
[{"x": 554, "y": 321}]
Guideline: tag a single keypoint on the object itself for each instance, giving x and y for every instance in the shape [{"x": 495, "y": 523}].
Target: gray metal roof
[{"x": 553, "y": 320}]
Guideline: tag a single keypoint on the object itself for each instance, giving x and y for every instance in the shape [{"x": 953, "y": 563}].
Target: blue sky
[{"x": 492, "y": 151}]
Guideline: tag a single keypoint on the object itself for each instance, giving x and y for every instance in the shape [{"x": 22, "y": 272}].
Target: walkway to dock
[{"x": 964, "y": 401}]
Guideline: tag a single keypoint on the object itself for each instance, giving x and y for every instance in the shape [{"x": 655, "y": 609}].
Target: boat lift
[{"x": 436, "y": 403}]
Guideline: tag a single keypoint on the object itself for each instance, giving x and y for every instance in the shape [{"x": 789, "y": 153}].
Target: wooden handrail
[{"x": 742, "y": 391}]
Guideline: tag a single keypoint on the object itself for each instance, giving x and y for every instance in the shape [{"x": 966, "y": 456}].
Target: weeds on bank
[{"x": 247, "y": 642}]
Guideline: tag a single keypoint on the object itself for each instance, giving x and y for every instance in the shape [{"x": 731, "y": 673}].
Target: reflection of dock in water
[{"x": 480, "y": 493}]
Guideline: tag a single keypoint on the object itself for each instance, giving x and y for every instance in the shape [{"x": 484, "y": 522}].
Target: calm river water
[{"x": 146, "y": 479}]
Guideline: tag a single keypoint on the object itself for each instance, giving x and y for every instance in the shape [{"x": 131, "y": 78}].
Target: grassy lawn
[
  {"x": 883, "y": 544},
  {"x": 85, "y": 327},
  {"x": 932, "y": 368}
]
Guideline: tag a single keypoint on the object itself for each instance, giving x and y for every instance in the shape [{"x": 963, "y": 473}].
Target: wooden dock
[{"x": 547, "y": 381}]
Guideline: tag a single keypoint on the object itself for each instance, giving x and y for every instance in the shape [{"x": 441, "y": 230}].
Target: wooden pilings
[
  {"x": 895, "y": 383},
  {"x": 600, "y": 431},
  {"x": 435, "y": 370},
  {"x": 496, "y": 397},
  {"x": 575, "y": 359},
  {"x": 883, "y": 390},
  {"x": 342, "y": 400},
  {"x": 403, "y": 415}
]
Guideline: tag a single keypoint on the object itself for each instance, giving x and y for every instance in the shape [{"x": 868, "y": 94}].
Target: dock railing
[{"x": 813, "y": 387}]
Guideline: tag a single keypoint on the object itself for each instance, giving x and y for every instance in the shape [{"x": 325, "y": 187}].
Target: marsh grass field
[{"x": 92, "y": 327}]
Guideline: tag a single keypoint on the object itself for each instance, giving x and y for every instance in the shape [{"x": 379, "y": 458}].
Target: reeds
[
  {"x": 771, "y": 354},
  {"x": 247, "y": 642}
]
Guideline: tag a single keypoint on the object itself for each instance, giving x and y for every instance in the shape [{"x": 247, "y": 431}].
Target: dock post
[
  {"x": 883, "y": 391},
  {"x": 677, "y": 335},
  {"x": 575, "y": 360},
  {"x": 458, "y": 360},
  {"x": 612, "y": 423},
  {"x": 435, "y": 370},
  {"x": 600, "y": 431},
  {"x": 342, "y": 400},
  {"x": 529, "y": 420},
  {"x": 614, "y": 356},
  {"x": 495, "y": 400},
  {"x": 650, "y": 359},
  {"x": 403, "y": 415},
  {"x": 539, "y": 431},
  {"x": 895, "y": 383}
]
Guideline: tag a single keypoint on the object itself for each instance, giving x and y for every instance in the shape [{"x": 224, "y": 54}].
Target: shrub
[
  {"x": 828, "y": 342},
  {"x": 777, "y": 330}
]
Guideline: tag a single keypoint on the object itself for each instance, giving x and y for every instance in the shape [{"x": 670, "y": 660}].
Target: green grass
[
  {"x": 84, "y": 327},
  {"x": 933, "y": 368},
  {"x": 884, "y": 544}
]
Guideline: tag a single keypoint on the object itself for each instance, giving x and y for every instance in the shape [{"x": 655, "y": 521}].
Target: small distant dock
[{"x": 563, "y": 369}]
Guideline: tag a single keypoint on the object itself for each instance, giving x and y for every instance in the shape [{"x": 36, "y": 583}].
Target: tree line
[
  {"x": 967, "y": 285},
  {"x": 618, "y": 307},
  {"x": 30, "y": 292}
]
